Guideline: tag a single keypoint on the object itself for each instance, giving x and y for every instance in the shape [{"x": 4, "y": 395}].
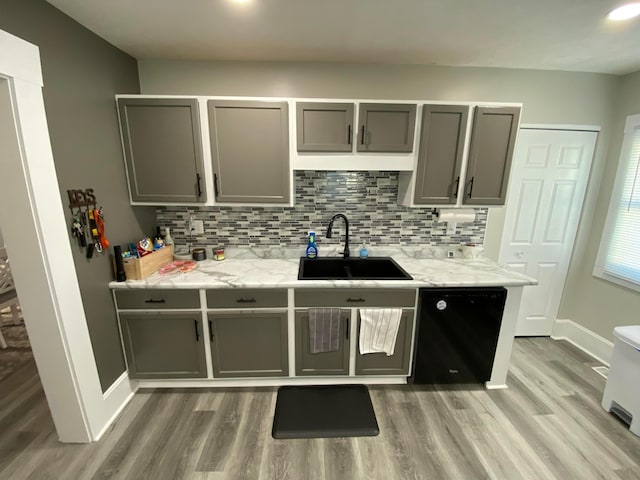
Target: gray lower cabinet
[
  {"x": 326, "y": 363},
  {"x": 442, "y": 136},
  {"x": 396, "y": 364},
  {"x": 324, "y": 127},
  {"x": 164, "y": 345},
  {"x": 163, "y": 149},
  {"x": 250, "y": 151},
  {"x": 386, "y": 127},
  {"x": 249, "y": 344},
  {"x": 490, "y": 153}
]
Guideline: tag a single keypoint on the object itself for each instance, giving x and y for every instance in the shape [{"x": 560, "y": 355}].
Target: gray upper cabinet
[
  {"x": 324, "y": 127},
  {"x": 385, "y": 127},
  {"x": 249, "y": 344},
  {"x": 163, "y": 345},
  {"x": 490, "y": 153},
  {"x": 250, "y": 151},
  {"x": 442, "y": 137},
  {"x": 396, "y": 364},
  {"x": 325, "y": 363},
  {"x": 163, "y": 149}
]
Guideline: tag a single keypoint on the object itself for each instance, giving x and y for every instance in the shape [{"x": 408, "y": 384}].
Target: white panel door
[{"x": 548, "y": 181}]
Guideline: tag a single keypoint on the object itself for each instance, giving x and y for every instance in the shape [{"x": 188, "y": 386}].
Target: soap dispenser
[
  {"x": 312, "y": 249},
  {"x": 364, "y": 253}
]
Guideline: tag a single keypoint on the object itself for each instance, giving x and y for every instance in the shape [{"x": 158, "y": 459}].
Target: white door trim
[{"x": 36, "y": 237}]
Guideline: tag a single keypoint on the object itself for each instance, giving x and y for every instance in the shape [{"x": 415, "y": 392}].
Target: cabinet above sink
[{"x": 330, "y": 136}]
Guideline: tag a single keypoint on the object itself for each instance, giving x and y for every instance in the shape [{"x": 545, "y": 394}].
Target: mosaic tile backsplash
[{"x": 368, "y": 199}]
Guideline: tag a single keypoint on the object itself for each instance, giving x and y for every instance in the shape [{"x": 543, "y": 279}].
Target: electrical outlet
[
  {"x": 198, "y": 227},
  {"x": 450, "y": 254}
]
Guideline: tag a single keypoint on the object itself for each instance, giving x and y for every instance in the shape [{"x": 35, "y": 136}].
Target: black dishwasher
[{"x": 457, "y": 334}]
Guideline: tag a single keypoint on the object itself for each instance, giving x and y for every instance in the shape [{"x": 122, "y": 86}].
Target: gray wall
[
  {"x": 559, "y": 97},
  {"x": 81, "y": 75},
  {"x": 595, "y": 303}
]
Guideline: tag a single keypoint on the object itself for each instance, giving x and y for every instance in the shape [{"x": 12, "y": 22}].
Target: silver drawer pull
[
  {"x": 246, "y": 300},
  {"x": 356, "y": 300},
  {"x": 151, "y": 300}
]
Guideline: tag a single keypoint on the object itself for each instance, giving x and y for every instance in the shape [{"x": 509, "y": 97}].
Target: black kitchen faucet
[{"x": 346, "y": 235}]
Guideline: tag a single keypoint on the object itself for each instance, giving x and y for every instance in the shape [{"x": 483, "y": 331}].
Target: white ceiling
[{"x": 539, "y": 34}]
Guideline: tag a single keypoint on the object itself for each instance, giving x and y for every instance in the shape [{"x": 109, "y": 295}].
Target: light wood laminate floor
[{"x": 547, "y": 425}]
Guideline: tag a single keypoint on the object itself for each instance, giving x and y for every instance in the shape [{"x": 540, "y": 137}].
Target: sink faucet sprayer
[{"x": 346, "y": 236}]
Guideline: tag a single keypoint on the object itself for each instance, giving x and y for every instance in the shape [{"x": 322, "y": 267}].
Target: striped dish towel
[
  {"x": 324, "y": 330},
  {"x": 379, "y": 329}
]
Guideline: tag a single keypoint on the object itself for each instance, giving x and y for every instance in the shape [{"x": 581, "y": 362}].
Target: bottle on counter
[
  {"x": 167, "y": 237},
  {"x": 312, "y": 249}
]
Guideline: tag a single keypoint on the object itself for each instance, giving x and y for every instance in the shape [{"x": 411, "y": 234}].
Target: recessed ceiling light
[
  {"x": 625, "y": 12},
  {"x": 242, "y": 1}
]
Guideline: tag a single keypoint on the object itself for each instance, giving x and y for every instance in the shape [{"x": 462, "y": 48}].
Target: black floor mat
[{"x": 326, "y": 411}]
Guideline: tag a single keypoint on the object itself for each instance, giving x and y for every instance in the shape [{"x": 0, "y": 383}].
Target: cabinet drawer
[
  {"x": 157, "y": 299},
  {"x": 247, "y": 298},
  {"x": 355, "y": 298}
]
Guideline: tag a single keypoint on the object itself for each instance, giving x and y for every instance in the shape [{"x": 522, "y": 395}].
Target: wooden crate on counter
[{"x": 139, "y": 268}]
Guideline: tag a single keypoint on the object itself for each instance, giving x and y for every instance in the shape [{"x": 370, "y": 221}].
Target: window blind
[{"x": 622, "y": 257}]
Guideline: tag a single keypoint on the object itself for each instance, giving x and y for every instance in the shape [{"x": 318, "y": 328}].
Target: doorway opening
[{"x": 15, "y": 348}]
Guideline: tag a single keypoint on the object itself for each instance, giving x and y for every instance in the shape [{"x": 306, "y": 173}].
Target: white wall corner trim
[
  {"x": 598, "y": 347},
  {"x": 19, "y": 59},
  {"x": 116, "y": 398}
]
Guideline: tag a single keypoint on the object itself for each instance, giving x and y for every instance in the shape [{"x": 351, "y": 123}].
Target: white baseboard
[
  {"x": 271, "y": 382},
  {"x": 598, "y": 347},
  {"x": 116, "y": 398}
]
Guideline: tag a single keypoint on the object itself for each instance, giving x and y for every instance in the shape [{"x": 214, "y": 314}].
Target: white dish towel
[
  {"x": 379, "y": 329},
  {"x": 324, "y": 330}
]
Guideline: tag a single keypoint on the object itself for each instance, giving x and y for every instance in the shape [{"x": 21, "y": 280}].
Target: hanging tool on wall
[
  {"x": 91, "y": 244},
  {"x": 77, "y": 229},
  {"x": 99, "y": 217},
  {"x": 94, "y": 232},
  {"x": 87, "y": 221}
]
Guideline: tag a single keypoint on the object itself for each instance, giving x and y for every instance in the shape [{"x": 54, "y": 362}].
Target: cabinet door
[
  {"x": 250, "y": 151},
  {"x": 386, "y": 127},
  {"x": 396, "y": 364},
  {"x": 324, "y": 127},
  {"x": 327, "y": 363},
  {"x": 249, "y": 344},
  {"x": 442, "y": 136},
  {"x": 163, "y": 149},
  {"x": 164, "y": 345},
  {"x": 492, "y": 141}
]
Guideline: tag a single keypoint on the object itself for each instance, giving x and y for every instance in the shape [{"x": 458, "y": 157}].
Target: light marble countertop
[{"x": 251, "y": 268}]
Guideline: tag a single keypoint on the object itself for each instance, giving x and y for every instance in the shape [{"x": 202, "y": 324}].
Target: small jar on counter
[
  {"x": 218, "y": 253},
  {"x": 199, "y": 254}
]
